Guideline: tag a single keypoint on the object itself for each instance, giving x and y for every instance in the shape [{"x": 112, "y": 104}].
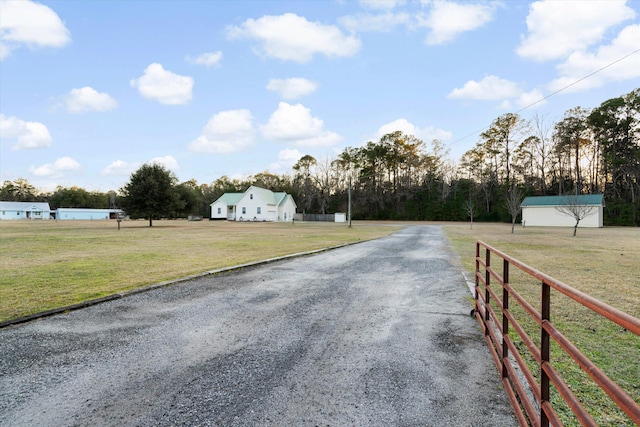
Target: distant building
[
  {"x": 255, "y": 204},
  {"x": 87, "y": 214},
  {"x": 542, "y": 211},
  {"x": 24, "y": 210}
]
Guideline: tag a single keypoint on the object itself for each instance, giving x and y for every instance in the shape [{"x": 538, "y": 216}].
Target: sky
[{"x": 91, "y": 90}]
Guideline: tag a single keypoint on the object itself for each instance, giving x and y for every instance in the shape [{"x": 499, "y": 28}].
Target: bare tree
[
  {"x": 471, "y": 209},
  {"x": 513, "y": 203},
  {"x": 575, "y": 209}
]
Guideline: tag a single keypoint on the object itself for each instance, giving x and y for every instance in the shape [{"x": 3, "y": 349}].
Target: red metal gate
[{"x": 529, "y": 397}]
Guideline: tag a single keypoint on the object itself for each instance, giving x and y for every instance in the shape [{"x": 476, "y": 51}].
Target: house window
[
  {"x": 251, "y": 196},
  {"x": 219, "y": 211},
  {"x": 259, "y": 210},
  {"x": 244, "y": 211}
]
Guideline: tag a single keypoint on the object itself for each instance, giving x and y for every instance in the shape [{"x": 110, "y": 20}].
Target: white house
[
  {"x": 255, "y": 204},
  {"x": 544, "y": 210},
  {"x": 24, "y": 210}
]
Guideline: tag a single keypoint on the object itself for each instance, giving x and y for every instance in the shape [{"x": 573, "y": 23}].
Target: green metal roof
[
  {"x": 582, "y": 200},
  {"x": 230, "y": 199}
]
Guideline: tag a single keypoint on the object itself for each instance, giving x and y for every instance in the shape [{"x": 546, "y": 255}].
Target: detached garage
[{"x": 556, "y": 211}]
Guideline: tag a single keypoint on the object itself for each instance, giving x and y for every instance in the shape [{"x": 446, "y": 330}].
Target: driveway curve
[{"x": 374, "y": 334}]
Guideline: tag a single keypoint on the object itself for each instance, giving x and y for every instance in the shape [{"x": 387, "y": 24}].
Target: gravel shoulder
[{"x": 373, "y": 334}]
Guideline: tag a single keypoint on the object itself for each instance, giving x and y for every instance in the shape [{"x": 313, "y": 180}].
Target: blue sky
[{"x": 90, "y": 90}]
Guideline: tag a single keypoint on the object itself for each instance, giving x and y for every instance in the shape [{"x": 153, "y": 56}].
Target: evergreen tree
[{"x": 150, "y": 193}]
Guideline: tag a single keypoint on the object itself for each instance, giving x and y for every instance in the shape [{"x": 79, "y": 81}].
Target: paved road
[{"x": 375, "y": 334}]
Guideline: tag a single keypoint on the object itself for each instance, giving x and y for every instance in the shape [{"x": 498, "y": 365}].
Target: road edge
[{"x": 118, "y": 295}]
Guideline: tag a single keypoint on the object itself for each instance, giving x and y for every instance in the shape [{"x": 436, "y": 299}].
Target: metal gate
[{"x": 529, "y": 396}]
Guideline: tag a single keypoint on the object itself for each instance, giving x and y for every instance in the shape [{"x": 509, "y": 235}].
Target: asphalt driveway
[{"x": 374, "y": 334}]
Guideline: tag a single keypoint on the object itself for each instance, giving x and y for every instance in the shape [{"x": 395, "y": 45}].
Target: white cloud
[
  {"x": 557, "y": 28},
  {"x": 164, "y": 86},
  {"x": 448, "y": 19},
  {"x": 120, "y": 168},
  {"x": 225, "y": 132},
  {"x": 289, "y": 155},
  {"x": 580, "y": 64},
  {"x": 286, "y": 159},
  {"x": 381, "y": 4},
  {"x": 291, "y": 37},
  {"x": 402, "y": 125},
  {"x": 89, "y": 99},
  {"x": 31, "y": 24},
  {"x": 56, "y": 169},
  {"x": 489, "y": 88},
  {"x": 292, "y": 88},
  {"x": 168, "y": 162},
  {"x": 208, "y": 59},
  {"x": 369, "y": 22},
  {"x": 533, "y": 98},
  {"x": 444, "y": 19},
  {"x": 28, "y": 135},
  {"x": 408, "y": 128},
  {"x": 295, "y": 124}
]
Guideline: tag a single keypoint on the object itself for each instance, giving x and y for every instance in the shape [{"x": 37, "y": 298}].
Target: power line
[
  {"x": 554, "y": 93},
  {"x": 578, "y": 81}
]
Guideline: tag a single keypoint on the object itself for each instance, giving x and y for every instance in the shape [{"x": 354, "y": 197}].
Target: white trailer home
[
  {"x": 255, "y": 204},
  {"x": 24, "y": 210},
  {"x": 552, "y": 211}
]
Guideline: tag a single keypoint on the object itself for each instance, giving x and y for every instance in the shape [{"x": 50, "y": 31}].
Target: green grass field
[
  {"x": 604, "y": 263},
  {"x": 49, "y": 264}
]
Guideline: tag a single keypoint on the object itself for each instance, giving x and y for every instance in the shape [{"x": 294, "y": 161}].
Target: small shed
[
  {"x": 545, "y": 211},
  {"x": 24, "y": 210},
  {"x": 88, "y": 214}
]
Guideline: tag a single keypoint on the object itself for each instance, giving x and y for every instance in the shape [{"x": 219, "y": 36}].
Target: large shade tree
[{"x": 150, "y": 192}]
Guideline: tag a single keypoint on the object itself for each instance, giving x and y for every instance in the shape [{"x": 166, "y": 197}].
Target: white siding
[
  {"x": 259, "y": 204},
  {"x": 287, "y": 210},
  {"x": 548, "y": 216},
  {"x": 24, "y": 210},
  {"x": 251, "y": 206},
  {"x": 219, "y": 206}
]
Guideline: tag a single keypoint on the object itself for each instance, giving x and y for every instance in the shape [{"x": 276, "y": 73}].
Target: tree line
[{"x": 401, "y": 177}]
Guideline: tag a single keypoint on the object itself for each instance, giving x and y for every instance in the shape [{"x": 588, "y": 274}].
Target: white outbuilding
[
  {"x": 559, "y": 211},
  {"x": 88, "y": 214},
  {"x": 255, "y": 204},
  {"x": 24, "y": 210}
]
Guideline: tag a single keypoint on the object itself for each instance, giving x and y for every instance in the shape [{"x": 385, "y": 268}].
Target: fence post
[
  {"x": 487, "y": 295},
  {"x": 505, "y": 319},
  {"x": 477, "y": 288},
  {"x": 544, "y": 353}
]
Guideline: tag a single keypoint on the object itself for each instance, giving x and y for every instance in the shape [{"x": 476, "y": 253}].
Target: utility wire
[{"x": 554, "y": 93}]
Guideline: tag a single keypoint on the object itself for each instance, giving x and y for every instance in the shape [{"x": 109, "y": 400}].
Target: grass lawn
[
  {"x": 49, "y": 264},
  {"x": 604, "y": 263}
]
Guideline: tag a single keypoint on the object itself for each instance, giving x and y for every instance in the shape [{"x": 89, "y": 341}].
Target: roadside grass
[
  {"x": 604, "y": 263},
  {"x": 51, "y": 264}
]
